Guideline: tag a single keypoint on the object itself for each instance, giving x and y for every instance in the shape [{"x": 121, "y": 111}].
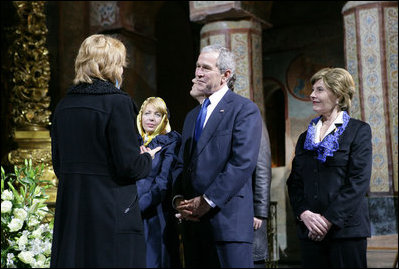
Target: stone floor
[{"x": 382, "y": 252}]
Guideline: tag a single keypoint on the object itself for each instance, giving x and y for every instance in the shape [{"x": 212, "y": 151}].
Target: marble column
[{"x": 371, "y": 53}]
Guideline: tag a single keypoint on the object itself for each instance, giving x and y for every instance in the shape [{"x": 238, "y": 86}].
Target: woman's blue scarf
[{"x": 329, "y": 144}]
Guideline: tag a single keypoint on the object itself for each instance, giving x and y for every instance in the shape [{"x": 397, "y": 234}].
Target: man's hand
[
  {"x": 257, "y": 223},
  {"x": 194, "y": 208},
  {"x": 183, "y": 213}
]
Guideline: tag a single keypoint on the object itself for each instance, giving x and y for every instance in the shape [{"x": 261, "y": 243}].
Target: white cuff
[{"x": 212, "y": 204}]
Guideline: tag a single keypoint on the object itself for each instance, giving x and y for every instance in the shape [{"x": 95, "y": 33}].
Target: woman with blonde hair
[
  {"x": 155, "y": 190},
  {"x": 330, "y": 177},
  {"x": 97, "y": 159}
]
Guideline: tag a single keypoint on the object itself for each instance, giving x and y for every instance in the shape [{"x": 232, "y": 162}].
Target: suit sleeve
[
  {"x": 262, "y": 177},
  {"x": 295, "y": 183},
  {"x": 357, "y": 180},
  {"x": 124, "y": 145},
  {"x": 246, "y": 135}
]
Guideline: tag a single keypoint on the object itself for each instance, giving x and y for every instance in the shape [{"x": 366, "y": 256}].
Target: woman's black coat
[
  {"x": 337, "y": 188},
  {"x": 97, "y": 160}
]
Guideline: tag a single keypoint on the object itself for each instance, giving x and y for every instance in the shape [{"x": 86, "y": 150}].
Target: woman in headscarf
[{"x": 155, "y": 190}]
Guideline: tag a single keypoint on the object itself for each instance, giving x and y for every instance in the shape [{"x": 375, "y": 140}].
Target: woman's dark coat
[
  {"x": 155, "y": 204},
  {"x": 97, "y": 160},
  {"x": 337, "y": 188}
]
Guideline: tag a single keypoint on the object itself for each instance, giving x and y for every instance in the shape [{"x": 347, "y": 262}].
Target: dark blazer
[
  {"x": 337, "y": 188},
  {"x": 155, "y": 203},
  {"x": 261, "y": 180},
  {"x": 97, "y": 160},
  {"x": 220, "y": 165}
]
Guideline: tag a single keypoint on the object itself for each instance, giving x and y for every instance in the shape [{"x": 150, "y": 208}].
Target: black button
[{"x": 315, "y": 197}]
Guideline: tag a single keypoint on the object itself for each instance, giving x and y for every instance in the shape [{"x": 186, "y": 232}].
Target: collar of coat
[
  {"x": 98, "y": 87},
  {"x": 163, "y": 139}
]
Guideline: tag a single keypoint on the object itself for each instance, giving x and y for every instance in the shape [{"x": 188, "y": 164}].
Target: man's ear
[{"x": 226, "y": 75}]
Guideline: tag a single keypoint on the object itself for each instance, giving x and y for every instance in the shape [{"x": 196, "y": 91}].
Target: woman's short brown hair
[
  {"x": 340, "y": 82},
  {"x": 101, "y": 57}
]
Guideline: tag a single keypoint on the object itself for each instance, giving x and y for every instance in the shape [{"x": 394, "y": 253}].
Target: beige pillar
[
  {"x": 237, "y": 26},
  {"x": 244, "y": 39},
  {"x": 371, "y": 53}
]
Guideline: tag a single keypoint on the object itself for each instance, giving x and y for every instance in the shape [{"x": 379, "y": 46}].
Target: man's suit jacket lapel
[{"x": 213, "y": 122}]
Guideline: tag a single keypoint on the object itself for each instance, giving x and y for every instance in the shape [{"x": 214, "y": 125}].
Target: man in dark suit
[{"x": 212, "y": 179}]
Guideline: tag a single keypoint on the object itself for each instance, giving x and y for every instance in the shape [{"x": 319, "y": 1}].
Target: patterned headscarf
[{"x": 162, "y": 128}]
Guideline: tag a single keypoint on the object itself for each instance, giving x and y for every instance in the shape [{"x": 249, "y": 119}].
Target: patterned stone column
[
  {"x": 244, "y": 39},
  {"x": 371, "y": 52},
  {"x": 243, "y": 36}
]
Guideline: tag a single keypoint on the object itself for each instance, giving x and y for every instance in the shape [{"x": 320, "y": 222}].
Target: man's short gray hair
[{"x": 225, "y": 61}]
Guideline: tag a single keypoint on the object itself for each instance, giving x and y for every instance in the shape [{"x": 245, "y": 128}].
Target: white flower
[
  {"x": 37, "y": 233},
  {"x": 27, "y": 245},
  {"x": 45, "y": 228},
  {"x": 40, "y": 260},
  {"x": 10, "y": 260},
  {"x": 20, "y": 213},
  {"x": 47, "y": 247},
  {"x": 33, "y": 221},
  {"x": 26, "y": 257},
  {"x": 36, "y": 246},
  {"x": 7, "y": 195},
  {"x": 6, "y": 207},
  {"x": 15, "y": 225},
  {"x": 22, "y": 241}
]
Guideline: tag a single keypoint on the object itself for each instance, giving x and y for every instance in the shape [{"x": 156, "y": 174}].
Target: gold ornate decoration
[{"x": 30, "y": 68}]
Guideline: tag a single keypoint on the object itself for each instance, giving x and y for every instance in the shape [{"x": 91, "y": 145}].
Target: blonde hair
[
  {"x": 163, "y": 127},
  {"x": 101, "y": 57},
  {"x": 340, "y": 82}
]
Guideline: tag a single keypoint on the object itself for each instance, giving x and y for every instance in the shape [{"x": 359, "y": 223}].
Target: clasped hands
[
  {"x": 192, "y": 209},
  {"x": 317, "y": 225}
]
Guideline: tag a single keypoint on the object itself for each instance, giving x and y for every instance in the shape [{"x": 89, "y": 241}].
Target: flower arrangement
[{"x": 26, "y": 234}]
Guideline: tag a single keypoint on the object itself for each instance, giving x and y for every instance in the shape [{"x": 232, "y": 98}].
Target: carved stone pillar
[
  {"x": 238, "y": 27},
  {"x": 371, "y": 52},
  {"x": 31, "y": 74}
]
